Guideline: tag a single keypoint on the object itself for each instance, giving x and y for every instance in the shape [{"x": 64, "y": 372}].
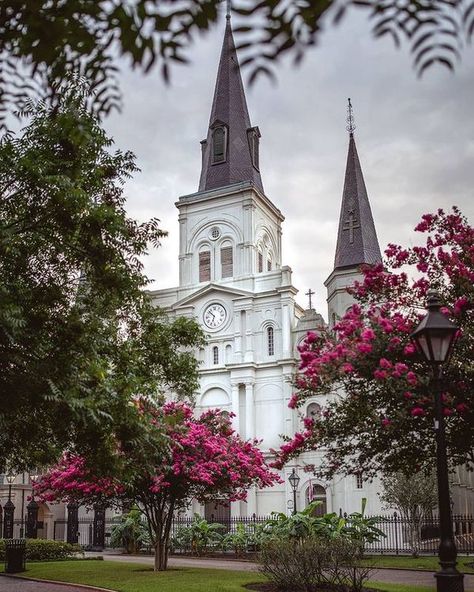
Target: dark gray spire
[
  {"x": 357, "y": 241},
  {"x": 230, "y": 151}
]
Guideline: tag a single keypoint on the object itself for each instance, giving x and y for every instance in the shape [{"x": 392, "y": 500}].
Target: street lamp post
[
  {"x": 32, "y": 512},
  {"x": 294, "y": 481},
  {"x": 9, "y": 510},
  {"x": 434, "y": 338}
]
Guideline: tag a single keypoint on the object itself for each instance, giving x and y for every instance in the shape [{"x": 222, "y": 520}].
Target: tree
[
  {"x": 380, "y": 414},
  {"x": 78, "y": 334},
  {"x": 415, "y": 497},
  {"x": 201, "y": 458},
  {"x": 43, "y": 41}
]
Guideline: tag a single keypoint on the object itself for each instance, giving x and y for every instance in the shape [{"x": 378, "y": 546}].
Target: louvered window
[
  {"x": 254, "y": 144},
  {"x": 270, "y": 341},
  {"x": 227, "y": 262},
  {"x": 359, "y": 480},
  {"x": 205, "y": 266},
  {"x": 269, "y": 265},
  {"x": 218, "y": 145},
  {"x": 260, "y": 262}
]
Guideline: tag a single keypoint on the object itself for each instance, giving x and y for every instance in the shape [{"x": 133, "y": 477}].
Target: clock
[{"x": 214, "y": 316}]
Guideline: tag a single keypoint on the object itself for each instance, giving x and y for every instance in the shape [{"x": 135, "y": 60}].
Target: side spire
[
  {"x": 357, "y": 241},
  {"x": 230, "y": 151}
]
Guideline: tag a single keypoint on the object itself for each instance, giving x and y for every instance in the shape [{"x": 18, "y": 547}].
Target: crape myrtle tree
[
  {"x": 198, "y": 458},
  {"x": 78, "y": 334},
  {"x": 380, "y": 413},
  {"x": 43, "y": 41}
]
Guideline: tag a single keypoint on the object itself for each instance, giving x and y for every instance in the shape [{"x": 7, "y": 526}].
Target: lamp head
[
  {"x": 294, "y": 479},
  {"x": 435, "y": 335}
]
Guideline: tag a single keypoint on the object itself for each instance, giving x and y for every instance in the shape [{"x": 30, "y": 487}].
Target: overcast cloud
[{"x": 415, "y": 140}]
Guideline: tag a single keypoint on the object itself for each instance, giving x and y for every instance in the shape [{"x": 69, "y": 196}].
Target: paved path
[{"x": 20, "y": 585}]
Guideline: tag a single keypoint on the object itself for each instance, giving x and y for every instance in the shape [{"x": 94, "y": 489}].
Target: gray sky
[{"x": 415, "y": 140}]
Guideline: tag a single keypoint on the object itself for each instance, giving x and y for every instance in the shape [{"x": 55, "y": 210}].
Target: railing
[{"x": 401, "y": 535}]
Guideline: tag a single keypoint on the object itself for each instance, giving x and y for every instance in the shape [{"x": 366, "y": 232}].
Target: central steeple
[{"x": 230, "y": 153}]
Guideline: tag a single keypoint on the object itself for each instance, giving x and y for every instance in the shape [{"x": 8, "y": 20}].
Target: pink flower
[
  {"x": 408, "y": 395},
  {"x": 368, "y": 335},
  {"x": 311, "y": 337},
  {"x": 460, "y": 305},
  {"x": 411, "y": 378},
  {"x": 409, "y": 349},
  {"x": 461, "y": 408},
  {"x": 364, "y": 348},
  {"x": 386, "y": 422},
  {"x": 417, "y": 411},
  {"x": 293, "y": 401},
  {"x": 384, "y": 363},
  {"x": 347, "y": 368},
  {"x": 380, "y": 374},
  {"x": 447, "y": 411}
]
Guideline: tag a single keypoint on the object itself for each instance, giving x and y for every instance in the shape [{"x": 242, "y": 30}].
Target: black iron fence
[{"x": 402, "y": 536}]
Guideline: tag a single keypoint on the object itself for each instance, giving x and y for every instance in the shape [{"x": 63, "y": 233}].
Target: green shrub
[
  {"x": 313, "y": 563},
  {"x": 355, "y": 527},
  {"x": 199, "y": 537},
  {"x": 45, "y": 550},
  {"x": 130, "y": 533}
]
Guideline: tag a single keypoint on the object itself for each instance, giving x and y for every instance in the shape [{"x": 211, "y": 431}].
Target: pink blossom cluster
[
  {"x": 371, "y": 343},
  {"x": 71, "y": 480},
  {"x": 204, "y": 456}
]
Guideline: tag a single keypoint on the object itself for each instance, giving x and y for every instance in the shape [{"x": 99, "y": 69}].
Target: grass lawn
[
  {"x": 132, "y": 577},
  {"x": 429, "y": 563}
]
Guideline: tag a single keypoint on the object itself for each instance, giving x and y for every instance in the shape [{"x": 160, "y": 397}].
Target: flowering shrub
[
  {"x": 200, "y": 458},
  {"x": 380, "y": 414}
]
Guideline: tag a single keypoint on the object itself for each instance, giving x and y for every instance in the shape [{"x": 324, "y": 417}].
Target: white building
[{"x": 233, "y": 280}]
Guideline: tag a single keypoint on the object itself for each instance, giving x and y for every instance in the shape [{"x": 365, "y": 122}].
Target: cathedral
[{"x": 233, "y": 280}]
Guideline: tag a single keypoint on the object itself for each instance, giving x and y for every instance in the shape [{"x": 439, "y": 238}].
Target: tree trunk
[{"x": 161, "y": 556}]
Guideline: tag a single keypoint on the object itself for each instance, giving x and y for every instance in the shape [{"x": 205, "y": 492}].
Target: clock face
[{"x": 214, "y": 316}]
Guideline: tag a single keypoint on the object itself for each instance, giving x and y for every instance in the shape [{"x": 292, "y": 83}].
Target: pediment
[{"x": 211, "y": 289}]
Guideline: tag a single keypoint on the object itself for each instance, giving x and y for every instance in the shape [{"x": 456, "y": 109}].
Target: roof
[
  {"x": 357, "y": 241},
  {"x": 229, "y": 107}
]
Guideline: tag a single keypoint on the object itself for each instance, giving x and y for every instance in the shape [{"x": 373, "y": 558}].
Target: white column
[
  {"x": 252, "y": 501},
  {"x": 289, "y": 415},
  {"x": 286, "y": 331},
  {"x": 249, "y": 411},
  {"x": 248, "y": 337},
  {"x": 235, "y": 407}
]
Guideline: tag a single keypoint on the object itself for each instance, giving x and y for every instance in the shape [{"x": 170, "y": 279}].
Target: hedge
[{"x": 45, "y": 550}]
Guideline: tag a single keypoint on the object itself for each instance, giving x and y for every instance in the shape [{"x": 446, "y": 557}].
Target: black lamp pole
[
  {"x": 434, "y": 338},
  {"x": 294, "y": 481},
  {"x": 9, "y": 511}
]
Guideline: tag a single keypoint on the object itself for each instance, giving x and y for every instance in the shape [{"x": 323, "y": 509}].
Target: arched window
[
  {"x": 215, "y": 355},
  {"x": 313, "y": 410},
  {"x": 317, "y": 493},
  {"x": 205, "y": 266},
  {"x": 260, "y": 262},
  {"x": 228, "y": 354},
  {"x": 219, "y": 145},
  {"x": 227, "y": 262},
  {"x": 270, "y": 341},
  {"x": 359, "y": 479}
]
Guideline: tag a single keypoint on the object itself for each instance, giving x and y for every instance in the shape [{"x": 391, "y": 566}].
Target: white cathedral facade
[{"x": 233, "y": 280}]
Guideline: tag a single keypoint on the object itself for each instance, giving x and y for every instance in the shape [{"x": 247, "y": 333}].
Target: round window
[{"x": 215, "y": 233}]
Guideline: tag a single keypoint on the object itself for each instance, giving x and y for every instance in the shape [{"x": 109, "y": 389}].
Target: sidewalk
[{"x": 8, "y": 584}]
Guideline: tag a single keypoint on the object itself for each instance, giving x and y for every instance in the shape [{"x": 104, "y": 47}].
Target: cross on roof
[
  {"x": 310, "y": 293},
  {"x": 351, "y": 225}
]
